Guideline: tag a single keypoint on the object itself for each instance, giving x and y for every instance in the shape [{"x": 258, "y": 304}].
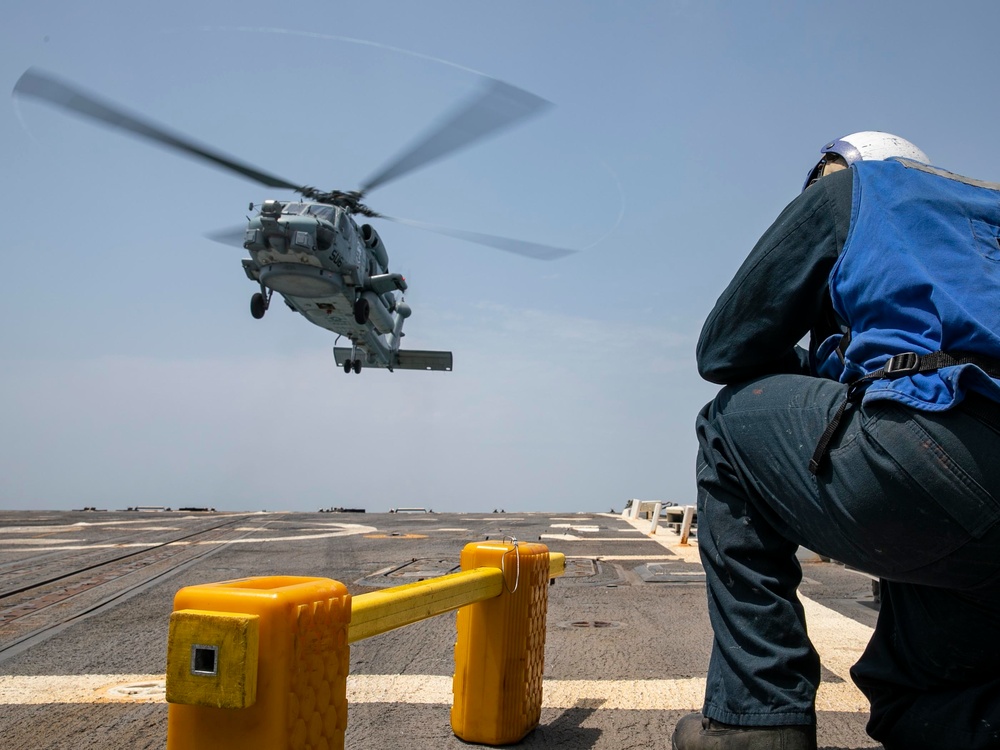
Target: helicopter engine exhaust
[
  {"x": 374, "y": 243},
  {"x": 378, "y": 313}
]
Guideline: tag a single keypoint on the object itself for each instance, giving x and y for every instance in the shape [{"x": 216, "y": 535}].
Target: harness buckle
[{"x": 901, "y": 365}]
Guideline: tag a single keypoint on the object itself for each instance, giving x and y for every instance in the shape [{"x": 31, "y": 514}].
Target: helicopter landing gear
[
  {"x": 259, "y": 304},
  {"x": 354, "y": 363},
  {"x": 361, "y": 310}
]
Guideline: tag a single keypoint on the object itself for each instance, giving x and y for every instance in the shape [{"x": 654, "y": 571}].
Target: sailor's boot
[{"x": 694, "y": 732}]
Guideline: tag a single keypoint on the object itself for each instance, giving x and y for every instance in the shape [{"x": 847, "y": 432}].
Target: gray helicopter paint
[{"x": 323, "y": 284}]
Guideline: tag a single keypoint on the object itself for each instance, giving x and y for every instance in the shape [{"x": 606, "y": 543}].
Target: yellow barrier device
[
  {"x": 259, "y": 663},
  {"x": 381, "y": 611},
  {"x": 500, "y": 649}
]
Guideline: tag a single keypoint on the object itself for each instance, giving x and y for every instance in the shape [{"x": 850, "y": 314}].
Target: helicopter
[{"x": 328, "y": 266}]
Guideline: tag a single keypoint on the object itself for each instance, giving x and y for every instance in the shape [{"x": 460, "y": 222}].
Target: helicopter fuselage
[{"x": 334, "y": 273}]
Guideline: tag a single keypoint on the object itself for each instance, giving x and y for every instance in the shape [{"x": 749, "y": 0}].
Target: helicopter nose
[{"x": 300, "y": 233}]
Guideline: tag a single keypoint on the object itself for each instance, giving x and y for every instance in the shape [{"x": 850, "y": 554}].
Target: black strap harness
[{"x": 898, "y": 366}]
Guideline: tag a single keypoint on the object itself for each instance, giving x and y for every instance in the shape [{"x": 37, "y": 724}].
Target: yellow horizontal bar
[
  {"x": 557, "y": 564},
  {"x": 381, "y": 611}
]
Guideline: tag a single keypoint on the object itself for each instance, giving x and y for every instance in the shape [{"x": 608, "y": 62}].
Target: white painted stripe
[
  {"x": 575, "y": 538},
  {"x": 337, "y": 529},
  {"x": 19, "y": 690},
  {"x": 624, "y": 695},
  {"x": 576, "y": 527},
  {"x": 840, "y": 642},
  {"x": 36, "y": 541}
]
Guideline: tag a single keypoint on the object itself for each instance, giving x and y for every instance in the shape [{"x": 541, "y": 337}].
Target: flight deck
[{"x": 86, "y": 599}]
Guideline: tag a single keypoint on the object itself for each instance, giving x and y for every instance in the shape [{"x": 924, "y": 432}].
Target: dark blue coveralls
[{"x": 908, "y": 495}]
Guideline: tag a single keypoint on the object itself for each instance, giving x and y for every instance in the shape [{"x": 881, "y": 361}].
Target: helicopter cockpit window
[
  {"x": 293, "y": 208},
  {"x": 321, "y": 212}
]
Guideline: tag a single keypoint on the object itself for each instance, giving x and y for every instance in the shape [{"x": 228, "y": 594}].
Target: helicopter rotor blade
[
  {"x": 40, "y": 85},
  {"x": 232, "y": 236},
  {"x": 507, "y": 244},
  {"x": 496, "y": 106}
]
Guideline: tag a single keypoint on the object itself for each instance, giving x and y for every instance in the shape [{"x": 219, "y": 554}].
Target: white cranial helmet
[{"x": 866, "y": 145}]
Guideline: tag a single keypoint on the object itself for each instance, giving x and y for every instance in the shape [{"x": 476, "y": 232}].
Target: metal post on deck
[
  {"x": 654, "y": 522},
  {"x": 636, "y": 506},
  {"x": 686, "y": 523}
]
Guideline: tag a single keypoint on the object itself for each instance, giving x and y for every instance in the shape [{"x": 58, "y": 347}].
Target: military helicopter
[{"x": 328, "y": 267}]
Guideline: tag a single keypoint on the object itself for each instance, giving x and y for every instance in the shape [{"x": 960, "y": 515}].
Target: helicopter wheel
[
  {"x": 357, "y": 366},
  {"x": 258, "y": 305},
  {"x": 361, "y": 310},
  {"x": 347, "y": 366}
]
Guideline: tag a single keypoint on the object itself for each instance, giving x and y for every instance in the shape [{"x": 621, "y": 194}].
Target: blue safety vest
[{"x": 919, "y": 273}]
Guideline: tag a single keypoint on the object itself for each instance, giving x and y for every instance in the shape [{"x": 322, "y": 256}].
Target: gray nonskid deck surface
[{"x": 626, "y": 652}]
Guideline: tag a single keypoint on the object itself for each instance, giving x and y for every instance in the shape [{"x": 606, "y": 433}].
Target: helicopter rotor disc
[{"x": 495, "y": 107}]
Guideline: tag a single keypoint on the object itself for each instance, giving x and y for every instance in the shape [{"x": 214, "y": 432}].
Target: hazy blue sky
[{"x": 133, "y": 372}]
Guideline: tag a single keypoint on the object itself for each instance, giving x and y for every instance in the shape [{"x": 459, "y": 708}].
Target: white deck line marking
[
  {"x": 575, "y": 538},
  {"x": 583, "y": 529},
  {"x": 36, "y": 542},
  {"x": 622, "y": 695},
  {"x": 839, "y": 640},
  {"x": 337, "y": 529}
]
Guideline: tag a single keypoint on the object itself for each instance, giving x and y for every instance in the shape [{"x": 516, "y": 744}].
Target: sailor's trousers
[{"x": 910, "y": 497}]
